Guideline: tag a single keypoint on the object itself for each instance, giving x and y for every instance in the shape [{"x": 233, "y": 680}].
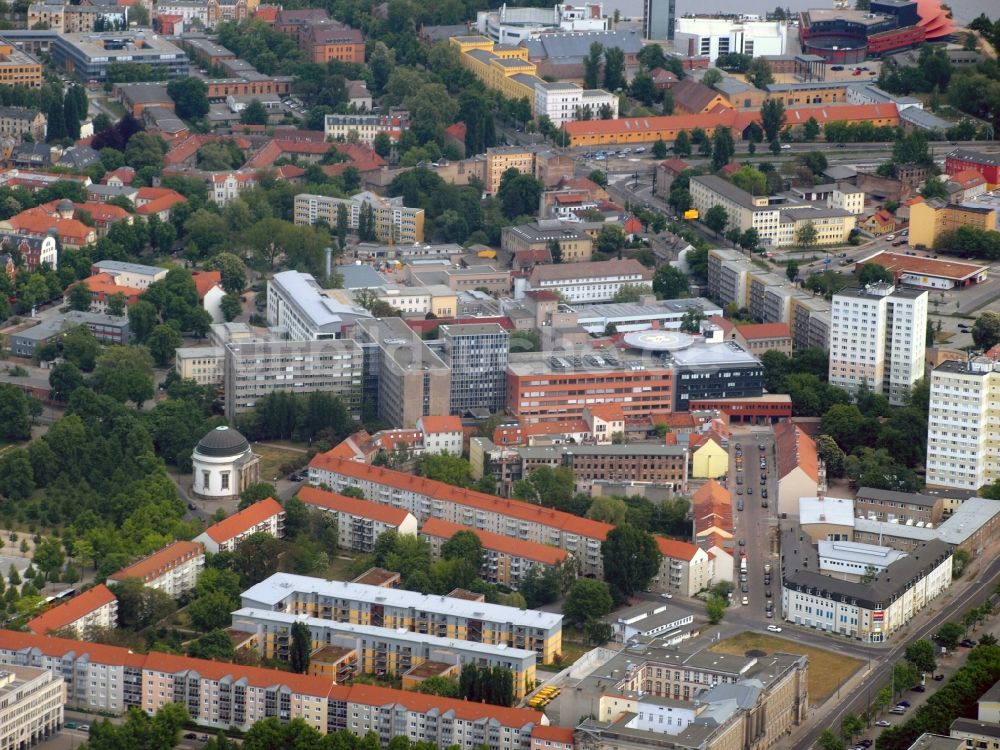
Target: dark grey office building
[{"x": 477, "y": 355}]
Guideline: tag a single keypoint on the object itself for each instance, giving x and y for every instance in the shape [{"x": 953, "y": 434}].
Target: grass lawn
[
  {"x": 340, "y": 569},
  {"x": 827, "y": 670},
  {"x": 574, "y": 645},
  {"x": 272, "y": 459}
]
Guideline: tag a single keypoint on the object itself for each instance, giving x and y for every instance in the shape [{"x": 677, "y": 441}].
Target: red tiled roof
[
  {"x": 125, "y": 174},
  {"x": 542, "y": 553},
  {"x": 157, "y": 205},
  {"x": 967, "y": 178},
  {"x": 104, "y": 283},
  {"x": 675, "y": 165},
  {"x": 751, "y": 331},
  {"x": 676, "y": 550},
  {"x": 553, "y": 733},
  {"x": 59, "y": 647},
  {"x": 607, "y": 412},
  {"x": 267, "y": 13},
  {"x": 446, "y": 492},
  {"x": 441, "y": 424},
  {"x": 103, "y": 213},
  {"x": 148, "y": 194},
  {"x": 795, "y": 449},
  {"x": 38, "y": 224},
  {"x": 68, "y": 613},
  {"x": 352, "y": 505},
  {"x": 373, "y": 695},
  {"x": 247, "y": 518},
  {"x": 154, "y": 565},
  {"x": 205, "y": 281},
  {"x": 458, "y": 130}
]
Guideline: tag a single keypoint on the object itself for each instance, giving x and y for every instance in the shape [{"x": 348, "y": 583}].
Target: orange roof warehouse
[{"x": 928, "y": 273}]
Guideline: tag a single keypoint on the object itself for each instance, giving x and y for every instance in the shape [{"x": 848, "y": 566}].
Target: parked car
[
  {"x": 903, "y": 704},
  {"x": 744, "y": 588},
  {"x": 918, "y": 689},
  {"x": 898, "y": 710},
  {"x": 760, "y": 447},
  {"x": 739, "y": 505},
  {"x": 773, "y": 629},
  {"x": 71, "y": 725},
  {"x": 769, "y": 614},
  {"x": 891, "y": 237},
  {"x": 967, "y": 643},
  {"x": 749, "y": 490},
  {"x": 768, "y": 593},
  {"x": 668, "y": 596},
  {"x": 836, "y": 67},
  {"x": 883, "y": 723},
  {"x": 745, "y": 600},
  {"x": 739, "y": 490},
  {"x": 763, "y": 503},
  {"x": 938, "y": 677}
]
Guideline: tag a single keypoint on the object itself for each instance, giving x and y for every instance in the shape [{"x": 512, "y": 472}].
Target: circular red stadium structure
[{"x": 851, "y": 36}]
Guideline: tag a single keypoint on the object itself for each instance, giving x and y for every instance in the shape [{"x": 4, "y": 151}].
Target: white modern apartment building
[
  {"x": 515, "y": 25},
  {"x": 173, "y": 569},
  {"x": 264, "y": 517},
  {"x": 878, "y": 338},
  {"x": 391, "y": 220},
  {"x": 297, "y": 307},
  {"x": 566, "y": 102},
  {"x": 701, "y": 36},
  {"x": 31, "y": 706},
  {"x": 963, "y": 426}
]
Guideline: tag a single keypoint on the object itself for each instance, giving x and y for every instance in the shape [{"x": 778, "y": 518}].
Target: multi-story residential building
[
  {"x": 591, "y": 281},
  {"x": 505, "y": 561},
  {"x": 31, "y": 706},
  {"x": 364, "y": 128},
  {"x": 385, "y": 651},
  {"x": 637, "y": 462},
  {"x": 328, "y": 41},
  {"x": 263, "y": 517},
  {"x": 685, "y": 568},
  {"x": 932, "y": 219},
  {"x": 962, "y": 448},
  {"x": 16, "y": 122},
  {"x": 778, "y": 223},
  {"x": 501, "y": 158},
  {"x": 391, "y": 220},
  {"x": 426, "y": 498},
  {"x": 173, "y": 569},
  {"x": 810, "y": 322},
  {"x": 18, "y": 68},
  {"x": 443, "y": 616},
  {"x": 877, "y": 338},
  {"x": 907, "y": 508},
  {"x": 359, "y": 522},
  {"x": 727, "y": 276},
  {"x": 404, "y": 380},
  {"x": 538, "y": 236},
  {"x": 224, "y": 187},
  {"x": 986, "y": 164},
  {"x": 441, "y": 434},
  {"x": 297, "y": 306},
  {"x": 112, "y": 680},
  {"x": 255, "y": 369},
  {"x": 189, "y": 11},
  {"x": 74, "y": 19},
  {"x": 205, "y": 365},
  {"x": 870, "y": 612},
  {"x": 543, "y": 387},
  {"x": 799, "y": 468},
  {"x": 477, "y": 355},
  {"x": 95, "y": 607}
]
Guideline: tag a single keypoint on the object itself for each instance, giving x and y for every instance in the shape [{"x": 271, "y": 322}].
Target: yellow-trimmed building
[
  {"x": 443, "y": 616},
  {"x": 929, "y": 219},
  {"x": 18, "y": 68},
  {"x": 500, "y": 67},
  {"x": 383, "y": 650}
]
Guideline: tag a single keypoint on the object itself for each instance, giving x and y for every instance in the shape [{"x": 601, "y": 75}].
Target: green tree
[
  {"x": 759, "y": 73},
  {"x": 210, "y": 611},
  {"x": 682, "y": 144},
  {"x": 125, "y": 373},
  {"x": 64, "y": 378},
  {"x": 851, "y": 726},
  {"x": 162, "y": 343},
  {"x": 116, "y": 304},
  {"x": 56, "y": 121},
  {"x": 810, "y": 130},
  {"x": 986, "y": 330},
  {"x": 715, "y": 609},
  {"x": 233, "y": 271},
  {"x": 828, "y": 740},
  {"x": 15, "y": 419},
  {"x": 49, "y": 557},
  {"x": 447, "y": 468},
  {"x": 873, "y": 272},
  {"x": 592, "y": 65},
  {"x": 587, "y": 599},
  {"x": 254, "y": 114},
  {"x": 723, "y": 148},
  {"x": 215, "y": 645},
  {"x": 190, "y": 97},
  {"x": 921, "y": 655},
  {"x": 833, "y": 457},
  {"x": 750, "y": 179},
  {"x": 230, "y": 306},
  {"x": 651, "y": 56},
  {"x": 631, "y": 560},
  {"x": 610, "y": 239},
  {"x": 659, "y": 149},
  {"x": 712, "y": 78},
  {"x": 301, "y": 648},
  {"x": 608, "y": 509},
  {"x": 772, "y": 118},
  {"x": 614, "y": 68},
  {"x": 792, "y": 270},
  {"x": 79, "y": 297},
  {"x": 140, "y": 606},
  {"x": 806, "y": 235},
  {"x": 716, "y": 219},
  {"x": 949, "y": 634},
  {"x": 670, "y": 283},
  {"x": 692, "y": 320}
]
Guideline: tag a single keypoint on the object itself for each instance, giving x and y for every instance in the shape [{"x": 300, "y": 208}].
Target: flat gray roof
[
  {"x": 123, "y": 267},
  {"x": 280, "y": 586},
  {"x": 302, "y": 290},
  {"x": 51, "y": 326}
]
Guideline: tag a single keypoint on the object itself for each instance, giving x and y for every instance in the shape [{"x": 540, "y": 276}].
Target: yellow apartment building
[
  {"x": 500, "y": 67},
  {"x": 381, "y": 650},
  {"x": 501, "y": 158},
  {"x": 17, "y": 67},
  {"x": 418, "y": 614},
  {"x": 929, "y": 219}
]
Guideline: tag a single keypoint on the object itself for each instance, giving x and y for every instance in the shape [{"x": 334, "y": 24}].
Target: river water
[{"x": 963, "y": 10}]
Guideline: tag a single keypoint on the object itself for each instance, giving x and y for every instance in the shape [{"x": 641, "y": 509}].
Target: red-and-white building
[
  {"x": 264, "y": 517},
  {"x": 173, "y": 569},
  {"x": 96, "y": 607},
  {"x": 359, "y": 522},
  {"x": 986, "y": 164}
]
